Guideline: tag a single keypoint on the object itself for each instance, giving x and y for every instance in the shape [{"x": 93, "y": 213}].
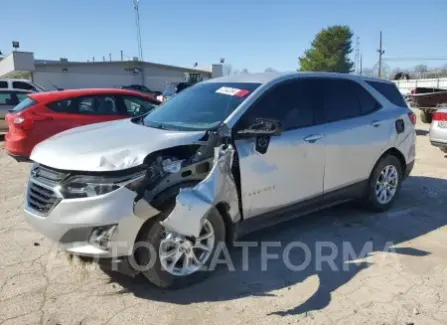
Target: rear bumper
[
  {"x": 18, "y": 147},
  {"x": 439, "y": 144},
  {"x": 18, "y": 157}
]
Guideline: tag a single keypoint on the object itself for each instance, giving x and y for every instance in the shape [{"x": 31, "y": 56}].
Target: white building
[{"x": 65, "y": 74}]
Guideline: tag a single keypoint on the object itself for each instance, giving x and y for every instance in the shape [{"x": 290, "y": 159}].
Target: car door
[
  {"x": 279, "y": 171},
  {"x": 355, "y": 133}
]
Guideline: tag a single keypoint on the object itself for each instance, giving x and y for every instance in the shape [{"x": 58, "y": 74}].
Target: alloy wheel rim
[
  {"x": 182, "y": 256},
  {"x": 386, "y": 185}
]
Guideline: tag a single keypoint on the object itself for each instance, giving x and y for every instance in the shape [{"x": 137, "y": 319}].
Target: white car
[
  {"x": 21, "y": 84},
  {"x": 217, "y": 160}
]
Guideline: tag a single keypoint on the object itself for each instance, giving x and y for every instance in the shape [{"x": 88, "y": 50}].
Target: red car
[{"x": 42, "y": 115}]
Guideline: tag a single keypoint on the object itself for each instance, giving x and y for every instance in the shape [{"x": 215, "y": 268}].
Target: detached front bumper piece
[{"x": 193, "y": 204}]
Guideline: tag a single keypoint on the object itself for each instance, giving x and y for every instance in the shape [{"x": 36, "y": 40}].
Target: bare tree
[
  {"x": 270, "y": 70},
  {"x": 421, "y": 69},
  {"x": 368, "y": 72},
  {"x": 244, "y": 70}
]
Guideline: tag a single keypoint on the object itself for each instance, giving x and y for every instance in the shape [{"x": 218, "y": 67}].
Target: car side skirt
[{"x": 321, "y": 202}]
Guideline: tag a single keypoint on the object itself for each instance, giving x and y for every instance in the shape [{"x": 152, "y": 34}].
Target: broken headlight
[
  {"x": 89, "y": 186},
  {"x": 172, "y": 166}
]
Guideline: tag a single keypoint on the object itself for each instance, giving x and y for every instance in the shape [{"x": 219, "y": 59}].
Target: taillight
[
  {"x": 413, "y": 91},
  {"x": 412, "y": 117},
  {"x": 440, "y": 116},
  {"x": 19, "y": 120}
]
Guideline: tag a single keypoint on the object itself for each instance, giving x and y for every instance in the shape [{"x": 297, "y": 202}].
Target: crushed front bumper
[{"x": 71, "y": 223}]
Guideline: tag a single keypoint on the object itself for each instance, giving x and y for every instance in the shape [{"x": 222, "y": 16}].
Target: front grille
[{"x": 42, "y": 196}]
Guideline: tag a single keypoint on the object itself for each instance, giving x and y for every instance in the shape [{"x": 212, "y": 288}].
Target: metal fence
[{"x": 405, "y": 86}]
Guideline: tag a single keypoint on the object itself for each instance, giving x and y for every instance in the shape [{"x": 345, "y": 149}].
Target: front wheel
[
  {"x": 384, "y": 184},
  {"x": 179, "y": 261}
]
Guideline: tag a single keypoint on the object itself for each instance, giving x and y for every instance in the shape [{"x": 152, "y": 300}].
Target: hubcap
[
  {"x": 181, "y": 256},
  {"x": 386, "y": 185}
]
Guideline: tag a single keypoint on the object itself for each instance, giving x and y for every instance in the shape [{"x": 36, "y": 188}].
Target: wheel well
[
  {"x": 223, "y": 209},
  {"x": 396, "y": 153}
]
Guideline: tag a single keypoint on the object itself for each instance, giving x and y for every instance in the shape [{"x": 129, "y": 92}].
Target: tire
[
  {"x": 154, "y": 234},
  {"x": 425, "y": 117},
  {"x": 371, "y": 199},
  {"x": 443, "y": 149}
]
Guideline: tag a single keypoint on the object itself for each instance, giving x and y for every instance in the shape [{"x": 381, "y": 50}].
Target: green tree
[{"x": 330, "y": 51}]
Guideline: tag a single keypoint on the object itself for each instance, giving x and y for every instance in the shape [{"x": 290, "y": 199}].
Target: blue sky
[{"x": 252, "y": 34}]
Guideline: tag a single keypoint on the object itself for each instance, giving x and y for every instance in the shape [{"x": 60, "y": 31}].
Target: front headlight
[{"x": 89, "y": 186}]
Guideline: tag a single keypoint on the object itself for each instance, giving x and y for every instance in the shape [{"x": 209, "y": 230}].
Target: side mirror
[{"x": 262, "y": 127}]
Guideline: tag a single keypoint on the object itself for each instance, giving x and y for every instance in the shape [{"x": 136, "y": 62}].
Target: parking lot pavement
[{"x": 400, "y": 278}]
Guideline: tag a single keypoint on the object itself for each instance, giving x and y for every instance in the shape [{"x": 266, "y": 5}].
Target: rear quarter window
[
  {"x": 23, "y": 105},
  {"x": 389, "y": 91},
  {"x": 3, "y": 85}
]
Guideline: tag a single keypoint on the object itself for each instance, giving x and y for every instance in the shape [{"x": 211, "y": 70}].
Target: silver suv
[{"x": 220, "y": 159}]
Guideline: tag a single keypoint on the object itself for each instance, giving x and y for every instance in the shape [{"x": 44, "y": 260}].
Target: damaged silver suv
[{"x": 220, "y": 159}]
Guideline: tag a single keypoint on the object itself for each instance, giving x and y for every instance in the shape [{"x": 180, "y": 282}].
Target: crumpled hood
[{"x": 107, "y": 146}]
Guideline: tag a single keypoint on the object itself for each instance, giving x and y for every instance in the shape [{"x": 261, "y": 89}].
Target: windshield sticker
[{"x": 230, "y": 91}]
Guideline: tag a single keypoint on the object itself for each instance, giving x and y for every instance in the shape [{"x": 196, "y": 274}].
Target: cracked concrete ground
[{"x": 399, "y": 284}]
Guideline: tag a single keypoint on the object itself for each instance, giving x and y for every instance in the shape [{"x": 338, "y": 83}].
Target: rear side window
[
  {"x": 8, "y": 98},
  {"x": 96, "y": 105},
  {"x": 345, "y": 99},
  {"x": 23, "y": 105},
  {"x": 389, "y": 91},
  {"x": 3, "y": 85},
  {"x": 22, "y": 85},
  {"x": 340, "y": 100}
]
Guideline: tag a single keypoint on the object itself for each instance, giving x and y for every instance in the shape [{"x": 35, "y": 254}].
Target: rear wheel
[
  {"x": 426, "y": 117},
  {"x": 180, "y": 261},
  {"x": 384, "y": 184}
]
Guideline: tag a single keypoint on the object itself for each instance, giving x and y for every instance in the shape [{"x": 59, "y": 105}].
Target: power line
[{"x": 414, "y": 59}]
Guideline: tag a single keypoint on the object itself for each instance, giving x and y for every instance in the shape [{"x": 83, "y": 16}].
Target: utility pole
[
  {"x": 140, "y": 46},
  {"x": 361, "y": 64},
  {"x": 137, "y": 22},
  {"x": 110, "y": 57},
  {"x": 122, "y": 55},
  {"x": 357, "y": 55},
  {"x": 381, "y": 52}
]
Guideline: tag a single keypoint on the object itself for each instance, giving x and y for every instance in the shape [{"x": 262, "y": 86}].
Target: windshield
[
  {"x": 200, "y": 107},
  {"x": 40, "y": 88},
  {"x": 170, "y": 90}
]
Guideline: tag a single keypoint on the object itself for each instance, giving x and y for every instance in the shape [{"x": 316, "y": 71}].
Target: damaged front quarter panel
[{"x": 194, "y": 203}]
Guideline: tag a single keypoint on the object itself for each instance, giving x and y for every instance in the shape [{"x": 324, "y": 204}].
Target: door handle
[
  {"x": 376, "y": 123},
  {"x": 313, "y": 138}
]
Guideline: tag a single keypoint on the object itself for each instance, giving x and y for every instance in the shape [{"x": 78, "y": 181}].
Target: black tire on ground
[
  {"x": 426, "y": 117},
  {"x": 153, "y": 234},
  {"x": 370, "y": 199},
  {"x": 443, "y": 149}
]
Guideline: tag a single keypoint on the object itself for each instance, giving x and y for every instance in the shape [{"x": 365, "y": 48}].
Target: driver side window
[{"x": 290, "y": 102}]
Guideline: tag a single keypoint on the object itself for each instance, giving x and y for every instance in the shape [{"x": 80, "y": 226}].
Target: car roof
[
  {"x": 266, "y": 77},
  {"x": 71, "y": 93},
  {"x": 17, "y": 90},
  {"x": 14, "y": 79}
]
